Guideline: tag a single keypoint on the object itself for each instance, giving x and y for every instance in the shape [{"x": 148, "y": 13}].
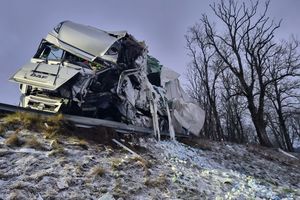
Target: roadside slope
[{"x": 36, "y": 165}]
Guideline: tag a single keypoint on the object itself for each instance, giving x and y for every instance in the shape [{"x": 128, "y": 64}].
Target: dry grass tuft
[
  {"x": 31, "y": 121},
  {"x": 2, "y": 115},
  {"x": 288, "y": 191},
  {"x": 98, "y": 171},
  {"x": 25, "y": 120},
  {"x": 142, "y": 162},
  {"x": 13, "y": 119},
  {"x": 2, "y": 130},
  {"x": 161, "y": 180},
  {"x": 119, "y": 190},
  {"x": 33, "y": 143},
  {"x": 58, "y": 151},
  {"x": 13, "y": 140},
  {"x": 204, "y": 145},
  {"x": 57, "y": 148},
  {"x": 83, "y": 144},
  {"x": 116, "y": 163},
  {"x": 56, "y": 125},
  {"x": 51, "y": 126},
  {"x": 56, "y": 121},
  {"x": 200, "y": 143},
  {"x": 14, "y": 195}
]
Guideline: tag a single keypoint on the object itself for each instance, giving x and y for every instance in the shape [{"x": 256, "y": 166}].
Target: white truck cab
[{"x": 83, "y": 70}]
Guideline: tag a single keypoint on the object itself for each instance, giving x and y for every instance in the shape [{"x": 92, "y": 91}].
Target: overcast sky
[{"x": 161, "y": 23}]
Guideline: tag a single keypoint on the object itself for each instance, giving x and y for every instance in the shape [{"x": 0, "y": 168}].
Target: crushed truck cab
[{"x": 86, "y": 71}]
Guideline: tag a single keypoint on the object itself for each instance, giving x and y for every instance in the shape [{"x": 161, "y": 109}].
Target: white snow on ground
[
  {"x": 242, "y": 186},
  {"x": 296, "y": 145},
  {"x": 176, "y": 171},
  {"x": 181, "y": 153},
  {"x": 2, "y": 140}
]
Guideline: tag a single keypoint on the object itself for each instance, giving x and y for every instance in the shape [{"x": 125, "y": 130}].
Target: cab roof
[{"x": 90, "y": 40}]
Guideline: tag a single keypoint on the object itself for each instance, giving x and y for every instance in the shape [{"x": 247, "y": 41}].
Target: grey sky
[{"x": 161, "y": 23}]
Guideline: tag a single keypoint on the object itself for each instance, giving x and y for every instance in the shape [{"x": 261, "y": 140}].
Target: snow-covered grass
[
  {"x": 66, "y": 167},
  {"x": 228, "y": 183},
  {"x": 296, "y": 145},
  {"x": 181, "y": 153}
]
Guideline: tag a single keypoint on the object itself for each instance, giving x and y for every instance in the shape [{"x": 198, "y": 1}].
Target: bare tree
[
  {"x": 205, "y": 69},
  {"x": 294, "y": 126},
  {"x": 233, "y": 108},
  {"x": 239, "y": 71},
  {"x": 248, "y": 39},
  {"x": 284, "y": 70}
]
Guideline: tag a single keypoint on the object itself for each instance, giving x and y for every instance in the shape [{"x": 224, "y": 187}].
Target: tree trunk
[
  {"x": 282, "y": 122},
  {"x": 284, "y": 131},
  {"x": 218, "y": 123},
  {"x": 259, "y": 124},
  {"x": 261, "y": 131}
]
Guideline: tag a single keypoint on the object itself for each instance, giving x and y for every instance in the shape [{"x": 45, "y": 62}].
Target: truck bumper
[{"x": 46, "y": 104}]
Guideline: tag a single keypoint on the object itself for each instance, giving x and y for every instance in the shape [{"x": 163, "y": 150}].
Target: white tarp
[
  {"x": 189, "y": 115},
  {"x": 185, "y": 113}
]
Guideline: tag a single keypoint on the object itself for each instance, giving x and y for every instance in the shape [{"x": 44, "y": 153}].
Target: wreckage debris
[{"x": 82, "y": 70}]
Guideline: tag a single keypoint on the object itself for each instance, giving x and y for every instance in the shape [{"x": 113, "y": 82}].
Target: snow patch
[
  {"x": 182, "y": 153},
  {"x": 2, "y": 140}
]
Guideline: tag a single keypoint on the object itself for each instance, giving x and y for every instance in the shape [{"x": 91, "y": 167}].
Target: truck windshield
[
  {"x": 52, "y": 53},
  {"x": 49, "y": 51}
]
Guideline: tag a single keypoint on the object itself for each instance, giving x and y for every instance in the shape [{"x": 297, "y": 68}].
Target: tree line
[{"x": 247, "y": 81}]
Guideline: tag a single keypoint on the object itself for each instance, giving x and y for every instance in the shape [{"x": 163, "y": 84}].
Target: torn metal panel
[{"x": 80, "y": 87}]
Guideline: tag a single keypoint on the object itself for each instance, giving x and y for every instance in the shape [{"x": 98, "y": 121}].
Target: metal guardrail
[
  {"x": 88, "y": 122},
  {"x": 84, "y": 121}
]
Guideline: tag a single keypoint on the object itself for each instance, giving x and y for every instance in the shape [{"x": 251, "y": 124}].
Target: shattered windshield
[
  {"x": 48, "y": 51},
  {"x": 52, "y": 52}
]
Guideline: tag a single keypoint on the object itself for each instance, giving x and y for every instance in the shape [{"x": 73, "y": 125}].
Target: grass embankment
[{"x": 50, "y": 127}]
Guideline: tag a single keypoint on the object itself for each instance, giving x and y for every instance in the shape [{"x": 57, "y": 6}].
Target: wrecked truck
[{"x": 82, "y": 70}]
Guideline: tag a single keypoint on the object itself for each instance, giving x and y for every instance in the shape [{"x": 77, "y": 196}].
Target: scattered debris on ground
[{"x": 36, "y": 164}]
